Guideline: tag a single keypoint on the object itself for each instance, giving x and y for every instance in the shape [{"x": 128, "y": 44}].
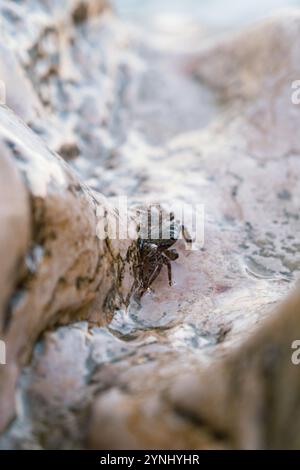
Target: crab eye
[{"x": 172, "y": 233}]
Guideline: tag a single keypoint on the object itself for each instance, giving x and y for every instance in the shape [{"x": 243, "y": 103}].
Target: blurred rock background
[{"x": 158, "y": 104}]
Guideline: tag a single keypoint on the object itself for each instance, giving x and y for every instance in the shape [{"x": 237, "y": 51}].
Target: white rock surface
[{"x": 213, "y": 124}]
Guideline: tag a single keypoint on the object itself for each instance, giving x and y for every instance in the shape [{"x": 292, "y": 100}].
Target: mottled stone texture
[
  {"x": 55, "y": 268},
  {"x": 53, "y": 265},
  {"x": 250, "y": 400},
  {"x": 207, "y": 362}
]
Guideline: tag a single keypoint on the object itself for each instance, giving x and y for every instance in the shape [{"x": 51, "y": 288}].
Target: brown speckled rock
[
  {"x": 204, "y": 363},
  {"x": 66, "y": 268},
  {"x": 14, "y": 242}
]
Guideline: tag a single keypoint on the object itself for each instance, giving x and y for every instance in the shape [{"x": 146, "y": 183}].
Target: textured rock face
[
  {"x": 250, "y": 399},
  {"x": 212, "y": 125},
  {"x": 66, "y": 270},
  {"x": 54, "y": 266},
  {"x": 15, "y": 219}
]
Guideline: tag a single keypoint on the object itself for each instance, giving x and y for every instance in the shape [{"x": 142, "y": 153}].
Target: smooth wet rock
[
  {"x": 65, "y": 267},
  {"x": 239, "y": 158}
]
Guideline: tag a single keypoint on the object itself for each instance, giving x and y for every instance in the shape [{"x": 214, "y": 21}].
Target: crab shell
[{"x": 162, "y": 236}]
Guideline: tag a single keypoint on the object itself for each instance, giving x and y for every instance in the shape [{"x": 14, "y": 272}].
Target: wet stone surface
[{"x": 165, "y": 136}]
